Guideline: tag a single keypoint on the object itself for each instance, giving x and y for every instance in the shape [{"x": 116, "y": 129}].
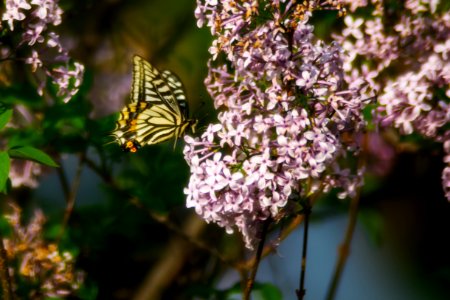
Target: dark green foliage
[
  {"x": 4, "y": 171},
  {"x": 5, "y": 115}
]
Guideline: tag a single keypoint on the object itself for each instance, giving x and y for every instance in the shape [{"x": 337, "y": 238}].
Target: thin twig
[
  {"x": 71, "y": 194},
  {"x": 100, "y": 171},
  {"x": 5, "y": 278},
  {"x": 6, "y": 59},
  {"x": 259, "y": 251},
  {"x": 306, "y": 212},
  {"x": 63, "y": 180},
  {"x": 344, "y": 248}
]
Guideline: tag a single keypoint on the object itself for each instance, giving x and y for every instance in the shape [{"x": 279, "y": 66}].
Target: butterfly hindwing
[{"x": 178, "y": 91}]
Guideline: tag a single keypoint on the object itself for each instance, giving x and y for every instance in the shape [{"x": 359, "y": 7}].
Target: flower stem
[
  {"x": 344, "y": 248},
  {"x": 5, "y": 278},
  {"x": 259, "y": 251},
  {"x": 306, "y": 212}
]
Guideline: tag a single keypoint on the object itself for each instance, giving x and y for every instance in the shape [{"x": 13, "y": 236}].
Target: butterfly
[{"x": 158, "y": 110}]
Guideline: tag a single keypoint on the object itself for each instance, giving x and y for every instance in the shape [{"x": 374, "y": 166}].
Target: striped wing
[
  {"x": 158, "y": 108},
  {"x": 151, "y": 86}
]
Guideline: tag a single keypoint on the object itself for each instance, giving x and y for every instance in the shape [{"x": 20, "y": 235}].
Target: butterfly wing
[{"x": 158, "y": 108}]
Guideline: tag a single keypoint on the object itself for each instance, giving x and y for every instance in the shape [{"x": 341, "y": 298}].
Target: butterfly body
[{"x": 157, "y": 111}]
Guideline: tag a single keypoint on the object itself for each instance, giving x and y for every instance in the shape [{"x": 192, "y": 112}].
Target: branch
[
  {"x": 70, "y": 194},
  {"x": 259, "y": 252},
  {"x": 344, "y": 248},
  {"x": 63, "y": 180}
]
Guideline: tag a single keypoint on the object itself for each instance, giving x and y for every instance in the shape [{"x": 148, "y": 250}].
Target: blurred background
[{"x": 128, "y": 226}]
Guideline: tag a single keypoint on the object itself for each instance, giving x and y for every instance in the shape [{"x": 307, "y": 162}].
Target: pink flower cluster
[
  {"x": 46, "y": 54},
  {"x": 406, "y": 58},
  {"x": 287, "y": 125}
]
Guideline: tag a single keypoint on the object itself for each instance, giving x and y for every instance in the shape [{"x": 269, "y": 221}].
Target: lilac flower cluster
[
  {"x": 287, "y": 123},
  {"x": 32, "y": 20},
  {"x": 406, "y": 58}
]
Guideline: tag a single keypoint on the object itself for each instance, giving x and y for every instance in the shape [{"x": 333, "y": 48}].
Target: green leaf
[
  {"x": 5, "y": 226},
  {"x": 4, "y": 171},
  {"x": 266, "y": 291},
  {"x": 88, "y": 291},
  {"x": 31, "y": 153},
  {"x": 4, "y": 117},
  {"x": 260, "y": 291}
]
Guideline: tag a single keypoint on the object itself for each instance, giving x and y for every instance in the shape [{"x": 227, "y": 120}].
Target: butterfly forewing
[{"x": 150, "y": 86}]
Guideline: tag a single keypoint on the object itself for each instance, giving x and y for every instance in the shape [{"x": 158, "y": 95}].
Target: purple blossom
[
  {"x": 24, "y": 173},
  {"x": 282, "y": 105},
  {"x": 68, "y": 80},
  {"x": 47, "y": 56},
  {"x": 415, "y": 97},
  {"x": 14, "y": 11},
  {"x": 34, "y": 61}
]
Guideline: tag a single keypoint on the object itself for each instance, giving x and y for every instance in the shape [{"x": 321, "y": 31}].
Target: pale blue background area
[{"x": 50, "y": 193}]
